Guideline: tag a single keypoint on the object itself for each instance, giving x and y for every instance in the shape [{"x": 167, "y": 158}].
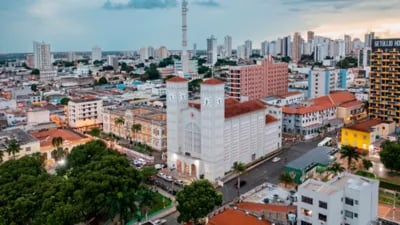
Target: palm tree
[
  {"x": 57, "y": 141},
  {"x": 58, "y": 153},
  {"x": 13, "y": 148},
  {"x": 286, "y": 178},
  {"x": 119, "y": 121},
  {"x": 135, "y": 129},
  {"x": 335, "y": 168},
  {"x": 349, "y": 152},
  {"x": 238, "y": 167},
  {"x": 367, "y": 164}
]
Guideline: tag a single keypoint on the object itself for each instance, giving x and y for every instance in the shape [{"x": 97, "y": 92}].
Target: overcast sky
[{"x": 78, "y": 25}]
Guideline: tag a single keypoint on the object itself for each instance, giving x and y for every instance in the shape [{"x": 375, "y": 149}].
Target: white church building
[{"x": 206, "y": 136}]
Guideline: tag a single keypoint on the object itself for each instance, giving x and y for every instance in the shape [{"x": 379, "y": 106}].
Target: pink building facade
[{"x": 264, "y": 79}]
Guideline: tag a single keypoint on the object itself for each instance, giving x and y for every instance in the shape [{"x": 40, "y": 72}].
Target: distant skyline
[{"x": 79, "y": 25}]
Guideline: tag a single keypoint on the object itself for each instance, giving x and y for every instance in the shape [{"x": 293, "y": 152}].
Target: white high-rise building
[
  {"x": 368, "y": 39},
  {"x": 228, "y": 46},
  {"x": 220, "y": 51},
  {"x": 273, "y": 48},
  {"x": 348, "y": 45},
  {"x": 42, "y": 56},
  {"x": 112, "y": 60},
  {"x": 264, "y": 48},
  {"x": 346, "y": 199},
  {"x": 151, "y": 52},
  {"x": 162, "y": 52},
  {"x": 203, "y": 136},
  {"x": 248, "y": 51},
  {"x": 144, "y": 53},
  {"x": 212, "y": 50},
  {"x": 96, "y": 54},
  {"x": 241, "y": 52}
]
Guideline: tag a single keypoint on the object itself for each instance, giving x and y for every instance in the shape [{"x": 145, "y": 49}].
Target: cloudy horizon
[{"x": 78, "y": 25}]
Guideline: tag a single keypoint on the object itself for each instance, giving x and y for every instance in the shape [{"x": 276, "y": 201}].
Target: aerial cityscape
[{"x": 211, "y": 112}]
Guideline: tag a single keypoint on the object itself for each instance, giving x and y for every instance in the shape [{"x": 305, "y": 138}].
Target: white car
[
  {"x": 159, "y": 222},
  {"x": 159, "y": 166},
  {"x": 276, "y": 159},
  {"x": 168, "y": 178}
]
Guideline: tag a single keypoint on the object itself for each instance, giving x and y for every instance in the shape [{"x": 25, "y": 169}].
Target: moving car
[{"x": 276, "y": 159}]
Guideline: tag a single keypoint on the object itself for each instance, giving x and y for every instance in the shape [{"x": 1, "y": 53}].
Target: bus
[{"x": 326, "y": 142}]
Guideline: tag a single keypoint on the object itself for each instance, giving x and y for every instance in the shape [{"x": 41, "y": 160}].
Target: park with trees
[{"x": 96, "y": 183}]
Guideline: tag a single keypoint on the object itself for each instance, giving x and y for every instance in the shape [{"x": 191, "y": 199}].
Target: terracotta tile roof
[
  {"x": 46, "y": 137},
  {"x": 319, "y": 104},
  {"x": 266, "y": 207},
  {"x": 270, "y": 119},
  {"x": 235, "y": 217},
  {"x": 177, "y": 79},
  {"x": 213, "y": 81},
  {"x": 230, "y": 101},
  {"x": 351, "y": 104},
  {"x": 339, "y": 97},
  {"x": 242, "y": 108},
  {"x": 365, "y": 125}
]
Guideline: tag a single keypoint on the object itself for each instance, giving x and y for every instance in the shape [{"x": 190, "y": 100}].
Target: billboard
[{"x": 385, "y": 44}]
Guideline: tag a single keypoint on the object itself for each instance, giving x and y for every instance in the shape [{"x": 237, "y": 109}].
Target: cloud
[
  {"x": 207, "y": 3},
  {"x": 140, "y": 4}
]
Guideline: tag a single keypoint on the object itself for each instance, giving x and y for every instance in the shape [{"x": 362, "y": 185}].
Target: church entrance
[
  {"x": 179, "y": 166},
  {"x": 186, "y": 170},
  {"x": 193, "y": 170}
]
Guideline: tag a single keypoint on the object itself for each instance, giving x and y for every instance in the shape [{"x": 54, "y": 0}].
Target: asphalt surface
[{"x": 267, "y": 171}]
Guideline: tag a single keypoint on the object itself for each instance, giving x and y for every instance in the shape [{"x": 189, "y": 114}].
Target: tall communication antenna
[{"x": 184, "y": 56}]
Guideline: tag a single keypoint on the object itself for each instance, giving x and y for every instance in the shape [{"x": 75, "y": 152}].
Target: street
[{"x": 265, "y": 172}]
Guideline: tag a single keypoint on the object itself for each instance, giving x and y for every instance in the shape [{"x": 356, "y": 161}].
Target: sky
[{"x": 79, "y": 25}]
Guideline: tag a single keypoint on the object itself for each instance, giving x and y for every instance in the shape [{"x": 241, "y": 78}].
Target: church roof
[
  {"x": 177, "y": 79},
  {"x": 213, "y": 81}
]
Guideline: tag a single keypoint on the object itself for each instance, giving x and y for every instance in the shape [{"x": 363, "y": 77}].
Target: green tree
[
  {"x": 146, "y": 199},
  {"x": 350, "y": 153},
  {"x": 203, "y": 69},
  {"x": 64, "y": 101},
  {"x": 347, "y": 62},
  {"x": 285, "y": 178},
  {"x": 239, "y": 168},
  {"x": 152, "y": 72},
  {"x": 34, "y": 88},
  {"x": 119, "y": 122},
  {"x": 35, "y": 72},
  {"x": 194, "y": 85},
  {"x": 95, "y": 131},
  {"x": 13, "y": 148},
  {"x": 367, "y": 164},
  {"x": 58, "y": 153},
  {"x": 135, "y": 128},
  {"x": 335, "y": 168},
  {"x": 147, "y": 172},
  {"x": 102, "y": 80},
  {"x": 199, "y": 195},
  {"x": 1, "y": 156},
  {"x": 57, "y": 141},
  {"x": 390, "y": 155}
]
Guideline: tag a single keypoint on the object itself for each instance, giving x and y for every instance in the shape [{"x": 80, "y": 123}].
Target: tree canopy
[
  {"x": 347, "y": 62},
  {"x": 390, "y": 155},
  {"x": 152, "y": 72},
  {"x": 350, "y": 153},
  {"x": 102, "y": 80},
  {"x": 64, "y": 101},
  {"x": 196, "y": 200},
  {"x": 95, "y": 183}
]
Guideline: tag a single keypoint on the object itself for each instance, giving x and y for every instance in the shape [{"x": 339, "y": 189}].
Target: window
[
  {"x": 355, "y": 215},
  {"x": 323, "y": 205},
  {"x": 306, "y": 199},
  {"x": 348, "y": 214},
  {"x": 365, "y": 137},
  {"x": 356, "y": 202},
  {"x": 349, "y": 201},
  {"x": 322, "y": 217},
  {"x": 28, "y": 149},
  {"x": 305, "y": 223},
  {"x": 306, "y": 212}
]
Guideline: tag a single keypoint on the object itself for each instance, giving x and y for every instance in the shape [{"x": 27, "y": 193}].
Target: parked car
[
  {"x": 159, "y": 222},
  {"x": 276, "y": 159},
  {"x": 159, "y": 166}
]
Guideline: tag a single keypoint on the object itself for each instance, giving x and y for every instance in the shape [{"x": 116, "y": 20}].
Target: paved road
[{"x": 265, "y": 172}]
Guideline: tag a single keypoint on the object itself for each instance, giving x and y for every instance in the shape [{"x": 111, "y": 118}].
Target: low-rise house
[
  {"x": 28, "y": 144},
  {"x": 307, "y": 165},
  {"x": 365, "y": 134}
]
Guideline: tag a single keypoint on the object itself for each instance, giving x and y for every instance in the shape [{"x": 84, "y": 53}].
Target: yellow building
[
  {"x": 363, "y": 135},
  {"x": 384, "y": 102},
  {"x": 153, "y": 122}
]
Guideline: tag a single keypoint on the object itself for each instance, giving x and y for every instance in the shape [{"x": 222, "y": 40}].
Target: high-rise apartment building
[
  {"x": 346, "y": 199},
  {"x": 264, "y": 48},
  {"x": 241, "y": 50},
  {"x": 228, "y": 46},
  {"x": 144, "y": 53},
  {"x": 42, "y": 55},
  {"x": 112, "y": 60},
  {"x": 384, "y": 102},
  {"x": 30, "y": 60},
  {"x": 348, "y": 45},
  {"x": 96, "y": 54},
  {"x": 310, "y": 36},
  {"x": 286, "y": 46},
  {"x": 264, "y": 79},
  {"x": 212, "y": 50},
  {"x": 162, "y": 52},
  {"x": 364, "y": 57},
  {"x": 297, "y": 47},
  {"x": 368, "y": 37},
  {"x": 248, "y": 51}
]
